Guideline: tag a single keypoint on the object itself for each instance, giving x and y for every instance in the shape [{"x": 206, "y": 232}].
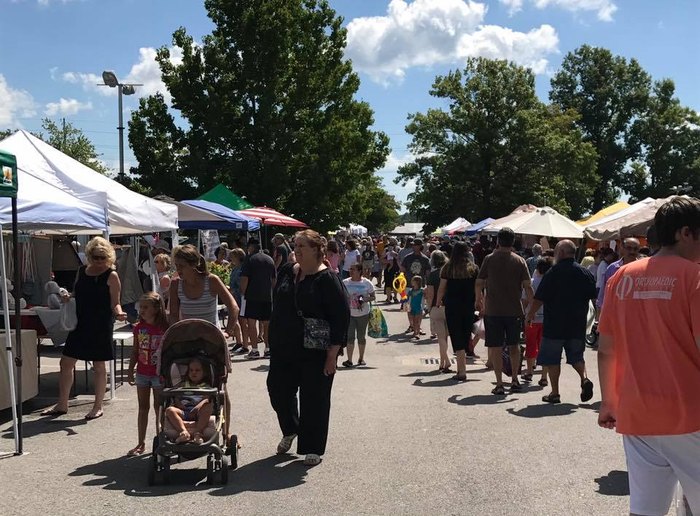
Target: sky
[{"x": 53, "y": 52}]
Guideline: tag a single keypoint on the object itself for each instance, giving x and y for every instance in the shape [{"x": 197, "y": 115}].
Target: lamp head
[{"x": 110, "y": 79}]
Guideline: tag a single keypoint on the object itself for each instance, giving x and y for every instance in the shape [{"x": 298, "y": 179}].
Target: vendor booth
[
  {"x": 459, "y": 225},
  {"x": 634, "y": 220}
]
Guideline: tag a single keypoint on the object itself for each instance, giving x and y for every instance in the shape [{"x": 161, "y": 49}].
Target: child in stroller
[
  {"x": 193, "y": 367},
  {"x": 190, "y": 414}
]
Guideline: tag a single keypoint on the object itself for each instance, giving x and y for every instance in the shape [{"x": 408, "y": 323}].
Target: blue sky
[{"x": 53, "y": 52}]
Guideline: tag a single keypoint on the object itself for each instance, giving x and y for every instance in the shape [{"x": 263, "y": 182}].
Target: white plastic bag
[{"x": 69, "y": 319}]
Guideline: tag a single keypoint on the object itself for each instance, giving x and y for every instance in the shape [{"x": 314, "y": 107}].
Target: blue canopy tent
[
  {"x": 231, "y": 219},
  {"x": 478, "y": 226}
]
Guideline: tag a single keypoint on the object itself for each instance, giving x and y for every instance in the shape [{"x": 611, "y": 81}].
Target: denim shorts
[
  {"x": 550, "y": 351},
  {"x": 146, "y": 380}
]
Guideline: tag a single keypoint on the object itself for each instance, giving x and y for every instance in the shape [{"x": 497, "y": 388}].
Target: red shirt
[{"x": 147, "y": 339}]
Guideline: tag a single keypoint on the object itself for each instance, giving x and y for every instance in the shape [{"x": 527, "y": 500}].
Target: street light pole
[{"x": 110, "y": 79}]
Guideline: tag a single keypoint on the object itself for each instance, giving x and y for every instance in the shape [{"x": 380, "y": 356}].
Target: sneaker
[
  {"x": 241, "y": 351},
  {"x": 254, "y": 354},
  {"x": 312, "y": 459},
  {"x": 285, "y": 444},
  {"x": 409, "y": 330},
  {"x": 236, "y": 347},
  {"x": 586, "y": 390},
  {"x": 266, "y": 354}
]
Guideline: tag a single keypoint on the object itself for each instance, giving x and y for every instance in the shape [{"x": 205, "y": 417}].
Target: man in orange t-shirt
[{"x": 649, "y": 362}]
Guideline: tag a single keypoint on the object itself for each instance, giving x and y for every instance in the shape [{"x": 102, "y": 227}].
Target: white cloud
[
  {"x": 603, "y": 8},
  {"x": 66, "y": 107},
  {"x": 45, "y": 3},
  {"x": 14, "y": 104},
  {"x": 145, "y": 72},
  {"x": 431, "y": 32},
  {"x": 513, "y": 6}
]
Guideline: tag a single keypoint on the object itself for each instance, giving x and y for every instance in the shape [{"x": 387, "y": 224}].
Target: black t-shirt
[
  {"x": 566, "y": 290},
  {"x": 260, "y": 271},
  {"x": 446, "y": 248},
  {"x": 434, "y": 281},
  {"x": 281, "y": 250},
  {"x": 321, "y": 295},
  {"x": 367, "y": 255},
  {"x": 416, "y": 265}
]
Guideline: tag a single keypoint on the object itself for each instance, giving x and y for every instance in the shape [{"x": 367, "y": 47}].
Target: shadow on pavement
[
  {"x": 592, "y": 406},
  {"x": 47, "y": 425},
  {"x": 480, "y": 399},
  {"x": 447, "y": 382},
  {"x": 615, "y": 483},
  {"x": 130, "y": 476},
  {"x": 422, "y": 373},
  {"x": 262, "y": 368},
  {"x": 544, "y": 410},
  {"x": 269, "y": 474}
]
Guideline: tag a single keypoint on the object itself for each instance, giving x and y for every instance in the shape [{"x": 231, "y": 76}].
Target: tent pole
[
  {"x": 18, "y": 322},
  {"x": 8, "y": 348}
]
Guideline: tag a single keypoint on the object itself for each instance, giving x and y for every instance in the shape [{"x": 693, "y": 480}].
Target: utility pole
[{"x": 63, "y": 147}]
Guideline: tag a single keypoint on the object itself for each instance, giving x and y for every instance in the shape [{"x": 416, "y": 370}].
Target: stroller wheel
[
  {"x": 224, "y": 470},
  {"x": 210, "y": 469},
  {"x": 232, "y": 451}
]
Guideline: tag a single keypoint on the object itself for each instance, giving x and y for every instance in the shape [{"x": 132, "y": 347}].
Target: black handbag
[{"x": 317, "y": 332}]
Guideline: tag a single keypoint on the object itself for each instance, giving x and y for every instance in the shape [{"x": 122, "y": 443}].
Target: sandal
[
  {"x": 543, "y": 382},
  {"x": 516, "y": 387},
  {"x": 551, "y": 398},
  {"x": 54, "y": 412},
  {"x": 446, "y": 370},
  {"x": 527, "y": 377},
  {"x": 138, "y": 450},
  {"x": 347, "y": 363},
  {"x": 460, "y": 379},
  {"x": 197, "y": 438},
  {"x": 499, "y": 390},
  {"x": 361, "y": 362},
  {"x": 184, "y": 437}
]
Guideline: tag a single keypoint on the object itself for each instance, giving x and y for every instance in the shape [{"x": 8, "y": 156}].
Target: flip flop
[
  {"x": 54, "y": 412},
  {"x": 551, "y": 398},
  {"x": 90, "y": 417},
  {"x": 138, "y": 450}
]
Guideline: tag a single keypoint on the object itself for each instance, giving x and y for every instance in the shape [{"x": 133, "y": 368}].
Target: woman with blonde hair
[
  {"x": 308, "y": 328},
  {"x": 97, "y": 291}
]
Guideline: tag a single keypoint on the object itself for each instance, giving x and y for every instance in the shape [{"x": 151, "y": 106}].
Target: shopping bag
[
  {"x": 377, "y": 327},
  {"x": 69, "y": 319}
]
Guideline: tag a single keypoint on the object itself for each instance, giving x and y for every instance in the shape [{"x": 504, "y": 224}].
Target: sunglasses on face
[{"x": 99, "y": 257}]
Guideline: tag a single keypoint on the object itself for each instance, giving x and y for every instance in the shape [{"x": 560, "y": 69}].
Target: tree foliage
[
  {"x": 610, "y": 93},
  {"x": 668, "y": 136},
  {"x": 495, "y": 146},
  {"x": 268, "y": 107},
  {"x": 72, "y": 141}
]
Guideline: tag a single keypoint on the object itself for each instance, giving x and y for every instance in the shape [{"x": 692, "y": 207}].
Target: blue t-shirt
[
  {"x": 415, "y": 297},
  {"x": 235, "y": 284}
]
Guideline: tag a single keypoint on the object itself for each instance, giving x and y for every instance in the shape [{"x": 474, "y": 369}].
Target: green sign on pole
[{"x": 8, "y": 179}]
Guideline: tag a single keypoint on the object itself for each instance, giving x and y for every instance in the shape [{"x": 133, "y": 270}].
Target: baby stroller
[{"x": 183, "y": 342}]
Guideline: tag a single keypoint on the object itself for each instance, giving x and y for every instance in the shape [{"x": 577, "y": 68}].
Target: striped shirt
[{"x": 204, "y": 307}]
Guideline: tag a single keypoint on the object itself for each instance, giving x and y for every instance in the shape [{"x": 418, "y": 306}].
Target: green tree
[
  {"x": 383, "y": 215},
  {"x": 610, "y": 93},
  {"x": 495, "y": 147},
  {"x": 72, "y": 141},
  {"x": 268, "y": 106},
  {"x": 5, "y": 133},
  {"x": 669, "y": 137}
]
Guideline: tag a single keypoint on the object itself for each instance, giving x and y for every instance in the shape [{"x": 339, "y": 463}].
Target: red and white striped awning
[{"x": 270, "y": 217}]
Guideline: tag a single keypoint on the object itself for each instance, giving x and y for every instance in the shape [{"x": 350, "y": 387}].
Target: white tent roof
[
  {"x": 541, "y": 222},
  {"x": 503, "y": 222},
  {"x": 128, "y": 211},
  {"x": 411, "y": 228},
  {"x": 459, "y": 224},
  {"x": 632, "y": 221}
]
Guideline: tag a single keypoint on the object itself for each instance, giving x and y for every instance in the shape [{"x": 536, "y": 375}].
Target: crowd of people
[{"x": 308, "y": 299}]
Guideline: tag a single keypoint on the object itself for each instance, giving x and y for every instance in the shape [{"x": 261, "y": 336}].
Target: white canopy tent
[
  {"x": 632, "y": 221},
  {"x": 459, "y": 224},
  {"x": 128, "y": 212},
  {"x": 546, "y": 222},
  {"x": 503, "y": 222}
]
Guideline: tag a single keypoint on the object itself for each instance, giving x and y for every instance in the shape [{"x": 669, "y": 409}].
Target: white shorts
[{"x": 656, "y": 464}]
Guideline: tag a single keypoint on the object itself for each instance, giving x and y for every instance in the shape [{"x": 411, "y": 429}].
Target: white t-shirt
[
  {"x": 350, "y": 259},
  {"x": 355, "y": 289}
]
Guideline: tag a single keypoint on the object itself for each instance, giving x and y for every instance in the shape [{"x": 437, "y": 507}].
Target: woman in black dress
[
  {"x": 97, "y": 291},
  {"x": 456, "y": 293},
  {"x": 306, "y": 289}
]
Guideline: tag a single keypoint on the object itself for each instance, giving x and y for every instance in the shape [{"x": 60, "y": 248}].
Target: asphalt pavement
[{"x": 404, "y": 439}]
